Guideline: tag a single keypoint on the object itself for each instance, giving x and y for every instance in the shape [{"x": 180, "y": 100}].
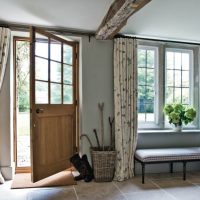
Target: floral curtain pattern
[
  {"x": 125, "y": 103},
  {"x": 4, "y": 48}
]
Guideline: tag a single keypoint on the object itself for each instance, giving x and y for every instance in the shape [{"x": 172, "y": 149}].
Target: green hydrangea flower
[
  {"x": 190, "y": 113},
  {"x": 179, "y": 114},
  {"x": 168, "y": 109},
  {"x": 174, "y": 117},
  {"x": 178, "y": 108}
]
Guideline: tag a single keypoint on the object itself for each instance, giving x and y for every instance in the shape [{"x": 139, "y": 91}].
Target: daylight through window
[{"x": 165, "y": 75}]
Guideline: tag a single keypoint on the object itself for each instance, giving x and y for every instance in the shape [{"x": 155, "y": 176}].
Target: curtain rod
[
  {"x": 157, "y": 40},
  {"x": 58, "y": 30}
]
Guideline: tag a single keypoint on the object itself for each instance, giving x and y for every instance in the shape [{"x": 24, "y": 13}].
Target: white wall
[
  {"x": 5, "y": 129},
  {"x": 6, "y": 115},
  {"x": 172, "y": 19},
  {"x": 97, "y": 86}
]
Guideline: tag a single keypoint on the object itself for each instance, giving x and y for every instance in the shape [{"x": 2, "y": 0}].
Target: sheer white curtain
[
  {"x": 125, "y": 103},
  {"x": 4, "y": 48}
]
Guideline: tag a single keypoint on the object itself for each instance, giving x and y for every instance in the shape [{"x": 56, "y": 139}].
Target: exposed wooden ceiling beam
[{"x": 117, "y": 16}]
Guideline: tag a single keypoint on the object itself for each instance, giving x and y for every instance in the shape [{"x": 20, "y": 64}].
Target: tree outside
[{"x": 22, "y": 75}]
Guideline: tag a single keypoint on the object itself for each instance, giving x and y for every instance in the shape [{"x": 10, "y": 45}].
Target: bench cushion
[{"x": 168, "y": 154}]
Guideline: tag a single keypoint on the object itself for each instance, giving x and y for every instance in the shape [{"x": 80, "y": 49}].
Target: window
[
  {"x": 178, "y": 73},
  {"x": 166, "y": 74},
  {"x": 146, "y": 84}
]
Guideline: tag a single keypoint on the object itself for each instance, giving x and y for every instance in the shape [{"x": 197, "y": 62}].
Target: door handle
[{"x": 39, "y": 110}]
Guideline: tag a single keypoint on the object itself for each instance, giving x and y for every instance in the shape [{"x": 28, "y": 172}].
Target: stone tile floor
[{"x": 157, "y": 187}]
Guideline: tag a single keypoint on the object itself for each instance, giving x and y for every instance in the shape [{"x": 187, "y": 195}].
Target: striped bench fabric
[{"x": 170, "y": 155}]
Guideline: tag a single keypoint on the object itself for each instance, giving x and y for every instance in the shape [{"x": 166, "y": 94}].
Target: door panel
[{"x": 53, "y": 103}]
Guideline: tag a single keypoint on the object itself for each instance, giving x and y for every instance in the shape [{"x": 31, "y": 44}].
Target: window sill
[{"x": 168, "y": 131}]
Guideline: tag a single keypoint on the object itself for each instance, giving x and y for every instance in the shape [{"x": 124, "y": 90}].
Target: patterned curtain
[
  {"x": 125, "y": 101},
  {"x": 4, "y": 48}
]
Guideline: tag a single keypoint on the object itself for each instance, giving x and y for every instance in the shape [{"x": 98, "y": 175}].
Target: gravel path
[{"x": 23, "y": 151}]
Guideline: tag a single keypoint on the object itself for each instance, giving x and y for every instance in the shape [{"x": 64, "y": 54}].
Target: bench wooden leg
[
  {"x": 184, "y": 170},
  {"x": 143, "y": 172},
  {"x": 171, "y": 168}
]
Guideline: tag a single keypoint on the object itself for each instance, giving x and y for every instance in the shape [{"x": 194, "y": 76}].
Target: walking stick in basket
[
  {"x": 101, "y": 106},
  {"x": 111, "y": 121},
  {"x": 96, "y": 136}
]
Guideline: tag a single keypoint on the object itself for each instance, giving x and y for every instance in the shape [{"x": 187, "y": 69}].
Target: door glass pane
[
  {"x": 41, "y": 69},
  {"x": 55, "y": 72},
  {"x": 55, "y": 50},
  {"x": 67, "y": 94},
  {"x": 56, "y": 93},
  {"x": 67, "y": 74},
  {"x": 67, "y": 54},
  {"x": 41, "y": 92},
  {"x": 41, "y": 46}
]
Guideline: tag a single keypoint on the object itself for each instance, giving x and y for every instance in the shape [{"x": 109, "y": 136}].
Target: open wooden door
[{"x": 53, "y": 103}]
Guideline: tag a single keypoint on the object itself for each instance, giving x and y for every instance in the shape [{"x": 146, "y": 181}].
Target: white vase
[{"x": 177, "y": 128}]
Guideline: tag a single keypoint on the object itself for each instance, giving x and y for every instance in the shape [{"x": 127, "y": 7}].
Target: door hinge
[{"x": 76, "y": 102}]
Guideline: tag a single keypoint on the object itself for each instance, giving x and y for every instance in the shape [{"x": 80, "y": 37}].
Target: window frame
[
  {"x": 159, "y": 123},
  {"x": 191, "y": 63},
  {"x": 155, "y": 49}
]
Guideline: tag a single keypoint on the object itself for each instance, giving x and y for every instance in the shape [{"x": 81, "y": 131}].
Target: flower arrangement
[{"x": 179, "y": 114}]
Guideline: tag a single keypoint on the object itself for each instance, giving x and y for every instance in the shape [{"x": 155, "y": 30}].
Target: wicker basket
[{"x": 103, "y": 164}]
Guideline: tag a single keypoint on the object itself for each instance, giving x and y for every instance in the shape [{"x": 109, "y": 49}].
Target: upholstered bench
[{"x": 167, "y": 155}]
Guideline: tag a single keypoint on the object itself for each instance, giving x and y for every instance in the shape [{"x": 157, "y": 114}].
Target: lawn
[{"x": 23, "y": 124}]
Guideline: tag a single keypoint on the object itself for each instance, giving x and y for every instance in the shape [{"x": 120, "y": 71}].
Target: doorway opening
[
  {"x": 46, "y": 103},
  {"x": 22, "y": 104}
]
